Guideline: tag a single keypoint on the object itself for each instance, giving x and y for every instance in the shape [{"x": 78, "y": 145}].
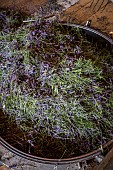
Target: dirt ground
[
  {"x": 100, "y": 12},
  {"x": 27, "y": 6}
]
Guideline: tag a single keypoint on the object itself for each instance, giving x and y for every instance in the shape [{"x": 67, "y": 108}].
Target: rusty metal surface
[
  {"x": 52, "y": 161},
  {"x": 18, "y": 163},
  {"x": 15, "y": 162}
]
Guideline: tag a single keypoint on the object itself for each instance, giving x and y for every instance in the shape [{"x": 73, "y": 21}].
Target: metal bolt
[
  {"x": 88, "y": 23},
  {"x": 111, "y": 34}
]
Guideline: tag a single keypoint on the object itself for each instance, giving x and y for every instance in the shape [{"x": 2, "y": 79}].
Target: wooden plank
[
  {"x": 3, "y": 168},
  {"x": 107, "y": 162}
]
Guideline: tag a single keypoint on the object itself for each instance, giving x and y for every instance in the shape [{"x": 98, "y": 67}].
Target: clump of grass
[{"x": 49, "y": 79}]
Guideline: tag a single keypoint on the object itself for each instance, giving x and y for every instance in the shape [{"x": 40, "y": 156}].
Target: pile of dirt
[{"x": 99, "y": 12}]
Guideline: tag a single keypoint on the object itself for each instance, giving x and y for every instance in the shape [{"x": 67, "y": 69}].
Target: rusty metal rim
[
  {"x": 81, "y": 158},
  {"x": 88, "y": 29}
]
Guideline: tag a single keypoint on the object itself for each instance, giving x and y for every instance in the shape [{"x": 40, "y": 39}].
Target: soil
[
  {"x": 27, "y": 6},
  {"x": 99, "y": 12}
]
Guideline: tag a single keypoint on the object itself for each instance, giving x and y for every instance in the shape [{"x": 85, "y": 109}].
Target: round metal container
[{"x": 107, "y": 42}]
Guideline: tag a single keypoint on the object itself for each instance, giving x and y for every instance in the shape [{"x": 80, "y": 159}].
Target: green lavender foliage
[{"x": 52, "y": 84}]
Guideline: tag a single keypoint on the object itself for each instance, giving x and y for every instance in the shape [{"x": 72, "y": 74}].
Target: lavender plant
[{"x": 48, "y": 78}]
